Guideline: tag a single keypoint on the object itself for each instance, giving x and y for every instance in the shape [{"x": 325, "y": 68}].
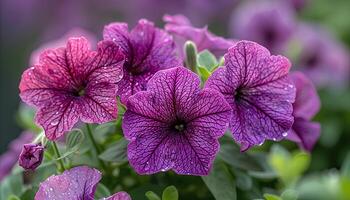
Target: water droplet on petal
[
  {"x": 54, "y": 123},
  {"x": 261, "y": 143},
  {"x": 285, "y": 134},
  {"x": 274, "y": 139}
]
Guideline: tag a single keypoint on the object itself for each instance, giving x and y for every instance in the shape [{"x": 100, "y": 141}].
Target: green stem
[
  {"x": 61, "y": 167},
  {"x": 96, "y": 147}
]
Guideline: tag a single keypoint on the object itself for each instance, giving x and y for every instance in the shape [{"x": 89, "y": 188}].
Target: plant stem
[
  {"x": 96, "y": 147},
  {"x": 61, "y": 167}
]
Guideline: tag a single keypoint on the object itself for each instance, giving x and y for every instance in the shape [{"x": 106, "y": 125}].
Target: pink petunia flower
[
  {"x": 174, "y": 125},
  {"x": 73, "y": 83},
  {"x": 147, "y": 49},
  {"x": 256, "y": 85}
]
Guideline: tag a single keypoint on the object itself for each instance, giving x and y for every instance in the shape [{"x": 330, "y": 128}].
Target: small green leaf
[
  {"x": 13, "y": 197},
  {"x": 116, "y": 152},
  {"x": 101, "y": 191},
  {"x": 271, "y": 197},
  {"x": 152, "y": 196},
  {"x": 74, "y": 139},
  {"x": 243, "y": 181},
  {"x": 170, "y": 193},
  {"x": 220, "y": 182},
  {"x": 11, "y": 185},
  {"x": 204, "y": 73},
  {"x": 207, "y": 60}
]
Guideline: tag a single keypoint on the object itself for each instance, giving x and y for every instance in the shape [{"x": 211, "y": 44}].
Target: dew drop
[
  {"x": 274, "y": 139},
  {"x": 32, "y": 68},
  {"x": 54, "y": 123},
  {"x": 163, "y": 170},
  {"x": 261, "y": 143},
  {"x": 285, "y": 134}
]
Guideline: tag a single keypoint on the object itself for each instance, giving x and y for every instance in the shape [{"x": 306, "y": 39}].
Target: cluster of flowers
[{"x": 171, "y": 123}]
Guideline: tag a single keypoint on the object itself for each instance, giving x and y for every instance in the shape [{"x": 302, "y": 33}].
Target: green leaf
[
  {"x": 11, "y": 185},
  {"x": 231, "y": 154},
  {"x": 116, "y": 152},
  {"x": 13, "y": 197},
  {"x": 243, "y": 181},
  {"x": 271, "y": 197},
  {"x": 220, "y": 182},
  {"x": 152, "y": 196},
  {"x": 288, "y": 167},
  {"x": 73, "y": 142},
  {"x": 170, "y": 193},
  {"x": 101, "y": 191},
  {"x": 207, "y": 60},
  {"x": 204, "y": 73}
]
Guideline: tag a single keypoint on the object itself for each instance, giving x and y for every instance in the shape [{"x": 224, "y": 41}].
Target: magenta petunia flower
[
  {"x": 147, "y": 49},
  {"x": 76, "y": 183},
  {"x": 174, "y": 124},
  {"x": 31, "y": 156},
  {"x": 306, "y": 105},
  {"x": 270, "y": 23},
  {"x": 73, "y": 83},
  {"x": 322, "y": 58},
  {"x": 182, "y": 29},
  {"x": 257, "y": 87}
]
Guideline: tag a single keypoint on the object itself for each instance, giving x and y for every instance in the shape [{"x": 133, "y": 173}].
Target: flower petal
[
  {"x": 307, "y": 103},
  {"x": 305, "y": 133},
  {"x": 76, "y": 183},
  {"x": 256, "y": 86},
  {"x": 118, "y": 33},
  {"x": 58, "y": 116}
]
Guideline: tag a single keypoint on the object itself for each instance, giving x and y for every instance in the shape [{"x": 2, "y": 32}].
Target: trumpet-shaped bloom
[
  {"x": 270, "y": 23},
  {"x": 77, "y": 183},
  {"x": 73, "y": 83},
  {"x": 306, "y": 105},
  {"x": 174, "y": 124},
  {"x": 323, "y": 59},
  {"x": 257, "y": 87},
  {"x": 182, "y": 29},
  {"x": 147, "y": 50}
]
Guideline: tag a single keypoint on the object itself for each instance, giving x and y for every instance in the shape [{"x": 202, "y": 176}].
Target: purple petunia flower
[
  {"x": 31, "y": 156},
  {"x": 147, "y": 49},
  {"x": 323, "y": 59},
  {"x": 9, "y": 158},
  {"x": 306, "y": 105},
  {"x": 259, "y": 91},
  {"x": 174, "y": 124},
  {"x": 270, "y": 23},
  {"x": 182, "y": 29},
  {"x": 77, "y": 183},
  {"x": 73, "y": 83}
]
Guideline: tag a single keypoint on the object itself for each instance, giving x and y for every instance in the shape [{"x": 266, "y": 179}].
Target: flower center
[
  {"x": 238, "y": 94},
  {"x": 80, "y": 92},
  {"x": 179, "y": 126}
]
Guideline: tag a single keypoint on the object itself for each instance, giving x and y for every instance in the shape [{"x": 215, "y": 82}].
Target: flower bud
[
  {"x": 191, "y": 56},
  {"x": 31, "y": 156}
]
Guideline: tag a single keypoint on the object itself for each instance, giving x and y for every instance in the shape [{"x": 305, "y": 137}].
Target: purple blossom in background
[
  {"x": 9, "y": 158},
  {"x": 174, "y": 124},
  {"x": 73, "y": 83},
  {"x": 76, "y": 32},
  {"x": 147, "y": 49},
  {"x": 306, "y": 105},
  {"x": 270, "y": 23},
  {"x": 76, "y": 183},
  {"x": 31, "y": 156},
  {"x": 182, "y": 29},
  {"x": 298, "y": 4},
  {"x": 324, "y": 60},
  {"x": 257, "y": 87}
]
